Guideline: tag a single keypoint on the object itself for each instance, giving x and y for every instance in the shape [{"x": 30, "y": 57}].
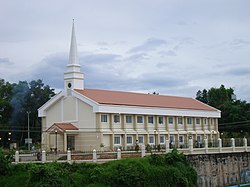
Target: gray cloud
[
  {"x": 5, "y": 61},
  {"x": 239, "y": 42},
  {"x": 50, "y": 70},
  {"x": 150, "y": 44},
  {"x": 243, "y": 71}
]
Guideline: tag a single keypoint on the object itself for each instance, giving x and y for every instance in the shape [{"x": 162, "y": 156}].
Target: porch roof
[{"x": 63, "y": 127}]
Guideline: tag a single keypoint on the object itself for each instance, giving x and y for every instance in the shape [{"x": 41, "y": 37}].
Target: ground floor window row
[{"x": 155, "y": 139}]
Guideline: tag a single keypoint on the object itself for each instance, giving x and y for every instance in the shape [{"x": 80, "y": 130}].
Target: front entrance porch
[{"x": 61, "y": 137}]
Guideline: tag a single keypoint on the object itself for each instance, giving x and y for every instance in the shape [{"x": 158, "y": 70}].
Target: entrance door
[{"x": 71, "y": 142}]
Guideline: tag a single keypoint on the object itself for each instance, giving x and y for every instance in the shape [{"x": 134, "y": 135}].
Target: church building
[{"x": 84, "y": 119}]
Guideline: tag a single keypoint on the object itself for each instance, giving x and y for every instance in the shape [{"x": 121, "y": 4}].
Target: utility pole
[{"x": 28, "y": 112}]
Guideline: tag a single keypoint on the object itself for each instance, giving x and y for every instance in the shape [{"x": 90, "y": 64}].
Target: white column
[
  {"x": 245, "y": 143},
  {"x": 16, "y": 157},
  {"x": 118, "y": 154},
  {"x": 69, "y": 156},
  {"x": 220, "y": 145},
  {"x": 233, "y": 144},
  {"x": 143, "y": 150},
  {"x": 94, "y": 156},
  {"x": 191, "y": 145},
  {"x": 43, "y": 156},
  {"x": 65, "y": 141},
  {"x": 167, "y": 145},
  {"x": 206, "y": 145}
]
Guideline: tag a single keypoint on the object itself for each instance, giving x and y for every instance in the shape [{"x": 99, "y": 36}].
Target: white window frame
[
  {"x": 115, "y": 115},
  {"x": 161, "y": 117},
  {"x": 151, "y": 137},
  {"x": 141, "y": 137},
  {"x": 199, "y": 119},
  {"x": 152, "y": 119},
  {"x": 181, "y": 137},
  {"x": 137, "y": 119},
  {"x": 129, "y": 117},
  {"x": 162, "y": 137},
  {"x": 103, "y": 117},
  {"x": 170, "y": 117},
  {"x": 191, "y": 121},
  {"x": 117, "y": 136},
  {"x": 129, "y": 136},
  {"x": 205, "y": 121},
  {"x": 179, "y": 121}
]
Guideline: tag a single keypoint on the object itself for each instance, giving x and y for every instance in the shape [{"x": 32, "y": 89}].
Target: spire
[
  {"x": 73, "y": 77},
  {"x": 73, "y": 55}
]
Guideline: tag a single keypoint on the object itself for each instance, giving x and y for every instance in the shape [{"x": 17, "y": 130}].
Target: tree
[
  {"x": 233, "y": 112},
  {"x": 15, "y": 101}
]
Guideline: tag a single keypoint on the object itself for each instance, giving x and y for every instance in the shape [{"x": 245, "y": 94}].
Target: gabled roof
[
  {"x": 143, "y": 100},
  {"x": 62, "y": 127}
]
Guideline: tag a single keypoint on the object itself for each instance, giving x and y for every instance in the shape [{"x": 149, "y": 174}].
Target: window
[
  {"x": 170, "y": 120},
  {"x": 139, "y": 119},
  {"x": 117, "y": 140},
  {"x": 117, "y": 118},
  {"x": 171, "y": 138},
  {"x": 198, "y": 121},
  {"x": 140, "y": 139},
  {"x": 189, "y": 121},
  {"x": 181, "y": 139},
  {"x": 128, "y": 119},
  {"x": 205, "y": 121},
  {"x": 129, "y": 140},
  {"x": 160, "y": 119},
  {"x": 162, "y": 139},
  {"x": 104, "y": 118},
  {"x": 151, "y": 139},
  {"x": 179, "y": 120},
  {"x": 150, "y": 119}
]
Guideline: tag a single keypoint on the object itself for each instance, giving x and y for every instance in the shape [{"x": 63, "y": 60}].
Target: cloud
[
  {"x": 239, "y": 43},
  {"x": 5, "y": 61},
  {"x": 167, "y": 53},
  {"x": 150, "y": 44},
  {"x": 50, "y": 70},
  {"x": 242, "y": 71}
]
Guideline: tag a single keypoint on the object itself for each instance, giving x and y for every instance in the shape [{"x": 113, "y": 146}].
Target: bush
[
  {"x": 5, "y": 161},
  {"x": 167, "y": 170}
]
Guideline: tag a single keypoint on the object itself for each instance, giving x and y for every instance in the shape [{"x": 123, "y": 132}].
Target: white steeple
[{"x": 73, "y": 77}]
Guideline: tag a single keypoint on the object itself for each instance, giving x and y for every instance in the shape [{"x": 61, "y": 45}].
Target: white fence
[{"x": 95, "y": 156}]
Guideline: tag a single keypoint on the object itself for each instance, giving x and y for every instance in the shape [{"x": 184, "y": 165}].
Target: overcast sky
[{"x": 171, "y": 47}]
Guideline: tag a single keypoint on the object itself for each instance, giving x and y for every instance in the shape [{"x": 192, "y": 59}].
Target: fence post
[
  {"x": 220, "y": 145},
  {"x": 167, "y": 145},
  {"x": 191, "y": 146},
  {"x": 69, "y": 156},
  {"x": 16, "y": 157},
  {"x": 142, "y": 150},
  {"x": 94, "y": 156},
  {"x": 118, "y": 154},
  {"x": 43, "y": 156},
  {"x": 206, "y": 145},
  {"x": 233, "y": 144},
  {"x": 245, "y": 143}
]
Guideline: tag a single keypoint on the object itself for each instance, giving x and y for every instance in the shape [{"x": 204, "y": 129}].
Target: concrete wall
[{"x": 221, "y": 169}]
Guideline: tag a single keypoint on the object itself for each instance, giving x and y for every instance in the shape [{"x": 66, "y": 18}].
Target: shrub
[{"x": 5, "y": 162}]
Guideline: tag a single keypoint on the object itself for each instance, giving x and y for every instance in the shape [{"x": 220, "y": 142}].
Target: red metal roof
[
  {"x": 65, "y": 126},
  {"x": 143, "y": 100}
]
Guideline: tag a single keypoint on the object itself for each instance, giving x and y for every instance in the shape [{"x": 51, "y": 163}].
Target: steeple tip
[{"x": 73, "y": 56}]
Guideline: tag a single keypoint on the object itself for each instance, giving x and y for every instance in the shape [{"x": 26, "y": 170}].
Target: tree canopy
[
  {"x": 235, "y": 114},
  {"x": 16, "y": 100}
]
